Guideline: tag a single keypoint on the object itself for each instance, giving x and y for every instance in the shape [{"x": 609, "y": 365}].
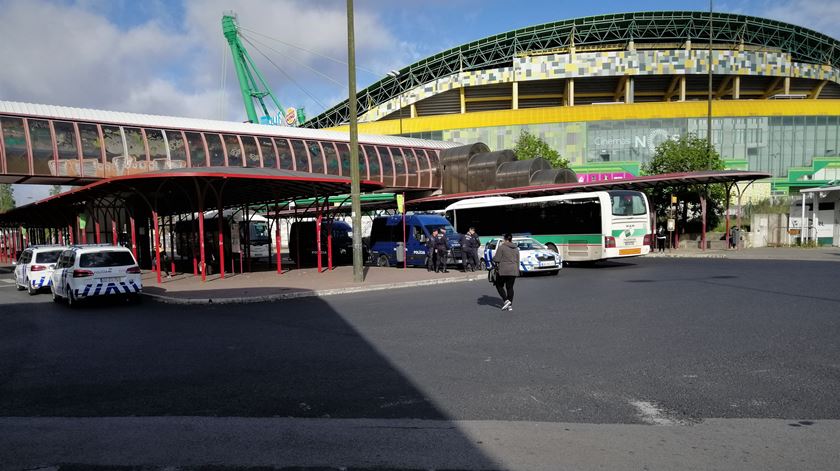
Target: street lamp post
[{"x": 395, "y": 75}]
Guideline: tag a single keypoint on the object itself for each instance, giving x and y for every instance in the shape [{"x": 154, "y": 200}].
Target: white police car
[
  {"x": 94, "y": 271},
  {"x": 34, "y": 268},
  {"x": 534, "y": 257}
]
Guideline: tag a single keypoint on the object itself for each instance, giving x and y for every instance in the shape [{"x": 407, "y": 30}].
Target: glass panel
[
  {"x": 198, "y": 155},
  {"x": 344, "y": 160},
  {"x": 374, "y": 163},
  {"x": 68, "y": 151},
  {"x": 157, "y": 149},
  {"x": 425, "y": 169},
  {"x": 301, "y": 159},
  {"x": 315, "y": 156},
  {"x": 177, "y": 151},
  {"x": 332, "y": 158},
  {"x": 136, "y": 160},
  {"x": 42, "y": 147},
  {"x": 234, "y": 151},
  {"x": 91, "y": 150},
  {"x": 286, "y": 160},
  {"x": 267, "y": 148},
  {"x": 14, "y": 141},
  {"x": 411, "y": 167},
  {"x": 387, "y": 165},
  {"x": 214, "y": 148},
  {"x": 434, "y": 158},
  {"x": 252, "y": 158}
]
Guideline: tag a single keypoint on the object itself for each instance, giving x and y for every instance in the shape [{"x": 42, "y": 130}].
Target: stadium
[{"x": 606, "y": 90}]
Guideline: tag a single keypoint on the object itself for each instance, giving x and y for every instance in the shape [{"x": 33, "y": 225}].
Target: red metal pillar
[
  {"x": 157, "y": 245},
  {"x": 5, "y": 246},
  {"x": 219, "y": 216},
  {"x": 194, "y": 246},
  {"x": 703, "y": 216},
  {"x": 318, "y": 239},
  {"x": 329, "y": 246},
  {"x": 726, "y": 213},
  {"x": 97, "y": 238},
  {"x": 279, "y": 254},
  {"x": 133, "y": 238},
  {"x": 114, "y": 231},
  {"x": 70, "y": 234},
  {"x": 201, "y": 243},
  {"x": 60, "y": 237},
  {"x": 171, "y": 246}
]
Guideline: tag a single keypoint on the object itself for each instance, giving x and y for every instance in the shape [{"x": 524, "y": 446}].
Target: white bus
[{"x": 582, "y": 226}]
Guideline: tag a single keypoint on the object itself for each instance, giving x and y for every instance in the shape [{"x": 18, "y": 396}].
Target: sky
[{"x": 169, "y": 56}]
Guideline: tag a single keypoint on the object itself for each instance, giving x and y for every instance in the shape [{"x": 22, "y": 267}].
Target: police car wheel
[
  {"x": 30, "y": 289},
  {"x": 382, "y": 261}
]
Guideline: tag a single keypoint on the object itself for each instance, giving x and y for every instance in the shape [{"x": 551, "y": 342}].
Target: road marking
[
  {"x": 4, "y": 280},
  {"x": 650, "y": 413}
]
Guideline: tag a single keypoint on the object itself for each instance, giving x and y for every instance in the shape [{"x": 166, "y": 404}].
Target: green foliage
[
  {"x": 687, "y": 154},
  {"x": 529, "y": 146},
  {"x": 7, "y": 198}
]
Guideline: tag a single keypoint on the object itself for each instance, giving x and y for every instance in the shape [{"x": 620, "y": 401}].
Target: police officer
[
  {"x": 441, "y": 250},
  {"x": 469, "y": 247},
  {"x": 431, "y": 263}
]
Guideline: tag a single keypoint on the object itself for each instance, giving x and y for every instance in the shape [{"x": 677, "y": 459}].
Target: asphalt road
[{"x": 650, "y": 341}]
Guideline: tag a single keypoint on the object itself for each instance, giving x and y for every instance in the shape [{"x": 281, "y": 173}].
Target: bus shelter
[{"x": 137, "y": 206}]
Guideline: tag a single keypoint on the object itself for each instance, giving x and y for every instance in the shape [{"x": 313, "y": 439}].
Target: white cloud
[
  {"x": 75, "y": 55},
  {"x": 820, "y": 15}
]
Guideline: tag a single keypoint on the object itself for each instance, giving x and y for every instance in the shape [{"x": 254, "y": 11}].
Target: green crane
[{"x": 252, "y": 89}]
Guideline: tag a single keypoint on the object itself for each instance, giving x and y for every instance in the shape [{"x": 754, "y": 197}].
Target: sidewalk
[
  {"x": 822, "y": 254},
  {"x": 269, "y": 286}
]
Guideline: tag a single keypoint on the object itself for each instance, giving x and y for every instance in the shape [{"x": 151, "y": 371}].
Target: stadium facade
[{"x": 606, "y": 90}]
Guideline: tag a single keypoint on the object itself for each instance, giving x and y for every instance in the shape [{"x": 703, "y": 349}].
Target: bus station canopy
[
  {"x": 181, "y": 191},
  {"x": 636, "y": 183}
]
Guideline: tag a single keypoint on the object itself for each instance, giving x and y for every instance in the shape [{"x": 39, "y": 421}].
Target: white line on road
[{"x": 650, "y": 413}]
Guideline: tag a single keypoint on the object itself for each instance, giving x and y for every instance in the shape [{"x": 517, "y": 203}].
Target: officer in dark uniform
[
  {"x": 431, "y": 263},
  {"x": 469, "y": 248},
  {"x": 441, "y": 251}
]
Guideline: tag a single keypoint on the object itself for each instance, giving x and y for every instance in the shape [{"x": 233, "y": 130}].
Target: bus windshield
[
  {"x": 627, "y": 203},
  {"x": 259, "y": 231}
]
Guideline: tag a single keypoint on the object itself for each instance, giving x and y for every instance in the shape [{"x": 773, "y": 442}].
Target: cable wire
[
  {"x": 297, "y": 61},
  {"x": 285, "y": 74},
  {"x": 339, "y": 61}
]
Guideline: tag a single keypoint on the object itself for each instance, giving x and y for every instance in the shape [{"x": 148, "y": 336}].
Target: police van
[
  {"x": 33, "y": 270},
  {"x": 386, "y": 239},
  {"x": 90, "y": 271}
]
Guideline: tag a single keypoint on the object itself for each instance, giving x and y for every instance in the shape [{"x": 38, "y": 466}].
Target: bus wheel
[
  {"x": 382, "y": 261},
  {"x": 552, "y": 247}
]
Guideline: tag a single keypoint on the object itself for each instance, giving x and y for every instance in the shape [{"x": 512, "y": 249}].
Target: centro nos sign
[{"x": 639, "y": 141}]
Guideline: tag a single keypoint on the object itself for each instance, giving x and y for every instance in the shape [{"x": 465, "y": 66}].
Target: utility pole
[
  {"x": 356, "y": 202},
  {"x": 708, "y": 136}
]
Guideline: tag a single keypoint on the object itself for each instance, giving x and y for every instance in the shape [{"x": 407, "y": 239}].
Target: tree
[
  {"x": 55, "y": 190},
  {"x": 529, "y": 146},
  {"x": 7, "y": 198},
  {"x": 687, "y": 154}
]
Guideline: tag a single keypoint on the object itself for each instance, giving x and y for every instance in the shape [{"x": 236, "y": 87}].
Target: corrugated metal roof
[{"x": 172, "y": 122}]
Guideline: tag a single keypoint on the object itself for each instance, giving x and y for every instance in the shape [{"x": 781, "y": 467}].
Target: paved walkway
[
  {"x": 822, "y": 254},
  {"x": 269, "y": 286}
]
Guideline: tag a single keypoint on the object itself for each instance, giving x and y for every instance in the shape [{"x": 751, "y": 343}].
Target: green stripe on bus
[
  {"x": 564, "y": 239},
  {"x": 636, "y": 232}
]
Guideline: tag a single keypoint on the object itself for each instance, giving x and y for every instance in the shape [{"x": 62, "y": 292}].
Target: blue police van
[{"x": 386, "y": 239}]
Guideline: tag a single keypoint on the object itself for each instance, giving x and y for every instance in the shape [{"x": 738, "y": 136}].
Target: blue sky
[{"x": 167, "y": 56}]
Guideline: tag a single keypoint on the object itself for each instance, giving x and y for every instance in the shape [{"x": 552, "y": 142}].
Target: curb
[
  {"x": 687, "y": 255},
  {"x": 310, "y": 294}
]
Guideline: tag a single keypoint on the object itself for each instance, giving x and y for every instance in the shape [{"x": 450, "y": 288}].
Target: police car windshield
[
  {"x": 437, "y": 227},
  {"x": 106, "y": 259},
  {"x": 528, "y": 244},
  {"x": 47, "y": 257}
]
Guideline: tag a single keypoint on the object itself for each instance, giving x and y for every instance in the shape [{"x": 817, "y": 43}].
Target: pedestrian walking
[
  {"x": 506, "y": 259},
  {"x": 660, "y": 239},
  {"x": 441, "y": 251},
  {"x": 431, "y": 260}
]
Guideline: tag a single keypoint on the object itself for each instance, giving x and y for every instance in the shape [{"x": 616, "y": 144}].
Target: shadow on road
[{"x": 298, "y": 358}]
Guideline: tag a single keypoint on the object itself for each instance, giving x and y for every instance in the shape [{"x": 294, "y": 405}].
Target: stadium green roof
[{"x": 804, "y": 45}]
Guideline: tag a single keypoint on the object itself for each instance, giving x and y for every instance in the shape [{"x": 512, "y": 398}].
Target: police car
[
  {"x": 34, "y": 268},
  {"x": 533, "y": 256},
  {"x": 96, "y": 271}
]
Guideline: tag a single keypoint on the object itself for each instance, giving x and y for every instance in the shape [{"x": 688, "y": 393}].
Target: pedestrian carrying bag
[{"x": 493, "y": 275}]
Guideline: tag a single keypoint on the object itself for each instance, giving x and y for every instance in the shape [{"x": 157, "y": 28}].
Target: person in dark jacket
[
  {"x": 506, "y": 259},
  {"x": 431, "y": 263},
  {"x": 469, "y": 249},
  {"x": 441, "y": 251}
]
